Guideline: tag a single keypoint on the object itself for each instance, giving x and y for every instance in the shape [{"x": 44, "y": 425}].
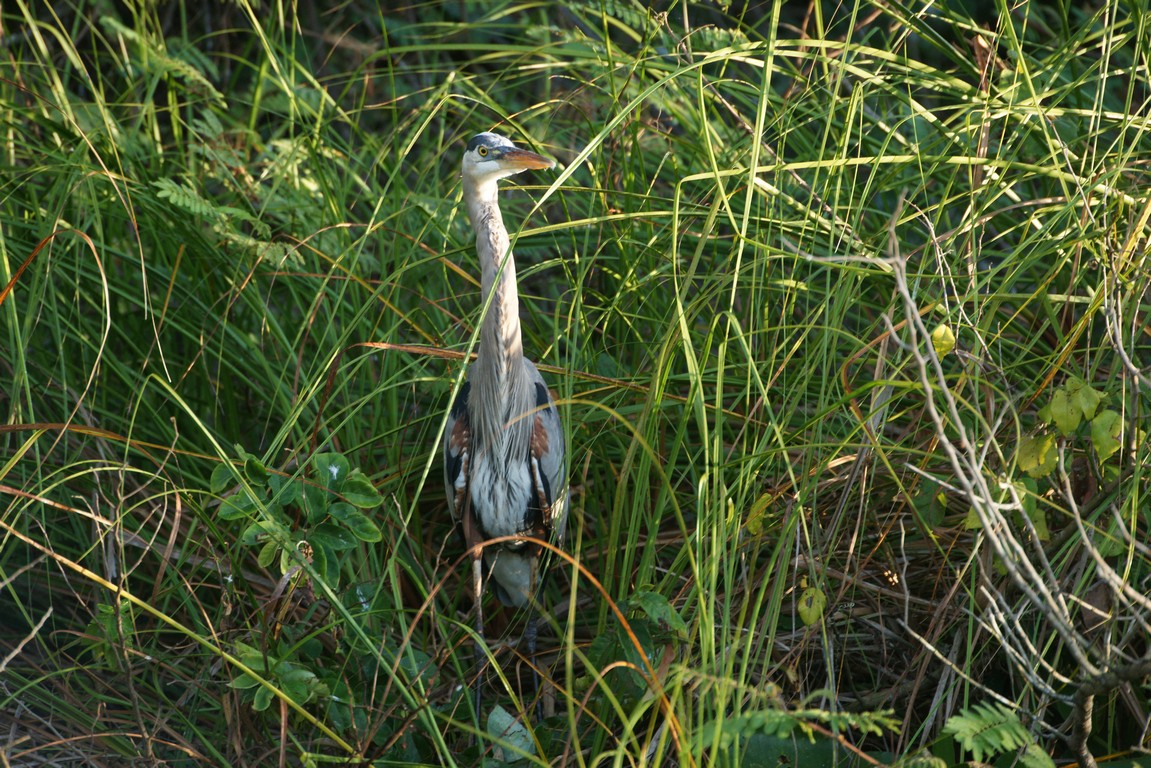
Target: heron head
[{"x": 490, "y": 156}]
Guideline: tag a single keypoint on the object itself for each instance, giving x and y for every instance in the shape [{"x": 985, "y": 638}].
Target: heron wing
[
  {"x": 547, "y": 509},
  {"x": 457, "y": 453}
]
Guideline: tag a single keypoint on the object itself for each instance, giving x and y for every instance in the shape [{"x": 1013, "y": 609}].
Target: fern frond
[
  {"x": 783, "y": 722},
  {"x": 183, "y": 196},
  {"x": 991, "y": 728},
  {"x": 157, "y": 59}
]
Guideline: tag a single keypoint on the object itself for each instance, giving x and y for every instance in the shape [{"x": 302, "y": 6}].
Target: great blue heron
[{"x": 503, "y": 446}]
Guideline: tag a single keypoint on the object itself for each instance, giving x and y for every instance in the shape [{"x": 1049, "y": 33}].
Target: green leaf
[
  {"x": 757, "y": 515},
  {"x": 931, "y": 504},
  {"x": 238, "y": 505},
  {"x": 359, "y": 491},
  {"x": 255, "y": 471},
  {"x": 332, "y": 536},
  {"x": 223, "y": 478},
  {"x": 971, "y": 521},
  {"x": 659, "y": 609},
  {"x": 325, "y": 564},
  {"x": 359, "y": 524},
  {"x": 315, "y": 501},
  {"x": 612, "y": 646},
  {"x": 243, "y": 682},
  {"x": 506, "y": 730},
  {"x": 250, "y": 655},
  {"x": 286, "y": 491},
  {"x": 341, "y": 704},
  {"x": 1066, "y": 414},
  {"x": 268, "y": 554},
  {"x": 1084, "y": 398},
  {"x": 331, "y": 470},
  {"x": 263, "y": 530},
  {"x": 1028, "y": 491},
  {"x": 417, "y": 666},
  {"x": 607, "y": 366},
  {"x": 298, "y": 683},
  {"x": 811, "y": 605},
  {"x": 1105, "y": 430},
  {"x": 943, "y": 339},
  {"x": 1036, "y": 455},
  {"x": 292, "y": 559},
  {"x": 262, "y": 700}
]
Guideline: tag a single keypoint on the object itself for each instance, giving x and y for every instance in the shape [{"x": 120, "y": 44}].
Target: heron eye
[{"x": 483, "y": 151}]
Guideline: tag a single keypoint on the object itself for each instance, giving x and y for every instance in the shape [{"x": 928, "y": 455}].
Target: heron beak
[{"x": 522, "y": 159}]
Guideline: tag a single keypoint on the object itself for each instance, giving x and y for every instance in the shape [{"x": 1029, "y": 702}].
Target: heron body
[{"x": 504, "y": 444}]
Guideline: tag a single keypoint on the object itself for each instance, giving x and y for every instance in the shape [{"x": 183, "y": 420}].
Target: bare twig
[
  {"x": 1085, "y": 702},
  {"x": 16, "y": 651}
]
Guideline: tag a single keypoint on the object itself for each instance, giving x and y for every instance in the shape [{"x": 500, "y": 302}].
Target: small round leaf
[{"x": 811, "y": 605}]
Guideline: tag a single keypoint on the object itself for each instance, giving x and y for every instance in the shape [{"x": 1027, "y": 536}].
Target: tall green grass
[{"x": 238, "y": 291}]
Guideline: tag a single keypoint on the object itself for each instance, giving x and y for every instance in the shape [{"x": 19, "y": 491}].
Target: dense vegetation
[{"x": 846, "y": 309}]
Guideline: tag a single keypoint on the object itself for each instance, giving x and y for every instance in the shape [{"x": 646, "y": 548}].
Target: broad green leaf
[
  {"x": 503, "y": 729},
  {"x": 1085, "y": 399},
  {"x": 325, "y": 564},
  {"x": 612, "y": 646},
  {"x": 268, "y": 554},
  {"x": 293, "y": 559},
  {"x": 237, "y": 506},
  {"x": 1066, "y": 414},
  {"x": 334, "y": 537},
  {"x": 971, "y": 521},
  {"x": 341, "y": 704},
  {"x": 931, "y": 504},
  {"x": 243, "y": 682},
  {"x": 315, "y": 500},
  {"x": 1036, "y": 455},
  {"x": 811, "y": 605},
  {"x": 416, "y": 665},
  {"x": 943, "y": 339},
  {"x": 286, "y": 490},
  {"x": 255, "y": 471},
  {"x": 1105, "y": 430},
  {"x": 359, "y": 491},
  {"x": 755, "y": 518},
  {"x": 659, "y": 609},
  {"x": 1027, "y": 489},
  {"x": 223, "y": 478},
  {"x": 331, "y": 470},
  {"x": 359, "y": 524},
  {"x": 262, "y": 530},
  {"x": 250, "y": 655},
  {"x": 263, "y": 699},
  {"x": 297, "y": 682}
]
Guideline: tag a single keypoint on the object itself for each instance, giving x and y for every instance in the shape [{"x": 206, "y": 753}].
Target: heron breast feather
[{"x": 500, "y": 494}]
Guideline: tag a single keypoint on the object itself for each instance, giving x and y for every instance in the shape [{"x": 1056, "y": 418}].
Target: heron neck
[{"x": 501, "y": 344}]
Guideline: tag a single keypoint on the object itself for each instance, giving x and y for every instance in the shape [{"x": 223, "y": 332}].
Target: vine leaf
[
  {"x": 1036, "y": 455},
  {"x": 1105, "y": 429},
  {"x": 943, "y": 339}
]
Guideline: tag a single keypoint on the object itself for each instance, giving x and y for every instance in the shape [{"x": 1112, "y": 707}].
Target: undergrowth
[{"x": 844, "y": 308}]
